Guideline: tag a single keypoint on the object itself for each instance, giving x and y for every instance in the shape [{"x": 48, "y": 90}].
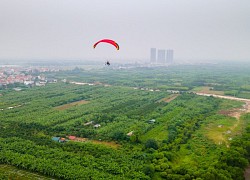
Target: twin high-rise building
[
  {"x": 170, "y": 56},
  {"x": 153, "y": 55},
  {"x": 162, "y": 56}
]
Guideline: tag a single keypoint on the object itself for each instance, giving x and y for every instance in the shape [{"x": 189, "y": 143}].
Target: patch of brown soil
[
  {"x": 78, "y": 139},
  {"x": 226, "y": 112},
  {"x": 209, "y": 90},
  {"x": 109, "y": 144},
  {"x": 170, "y": 98},
  {"x": 247, "y": 173},
  {"x": 232, "y": 113},
  {"x": 66, "y": 106}
]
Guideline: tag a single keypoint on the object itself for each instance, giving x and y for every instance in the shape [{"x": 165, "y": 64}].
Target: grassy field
[{"x": 220, "y": 131}]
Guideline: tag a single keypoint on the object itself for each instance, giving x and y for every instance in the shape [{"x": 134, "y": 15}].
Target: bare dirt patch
[
  {"x": 232, "y": 113},
  {"x": 209, "y": 90},
  {"x": 109, "y": 144},
  {"x": 236, "y": 113},
  {"x": 78, "y": 139},
  {"x": 66, "y": 106},
  {"x": 170, "y": 98},
  {"x": 247, "y": 173}
]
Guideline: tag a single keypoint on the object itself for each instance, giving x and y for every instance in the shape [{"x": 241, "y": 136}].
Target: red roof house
[{"x": 72, "y": 137}]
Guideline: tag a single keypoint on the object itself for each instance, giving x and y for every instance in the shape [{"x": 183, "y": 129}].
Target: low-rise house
[
  {"x": 72, "y": 137},
  {"x": 51, "y": 80},
  {"x": 88, "y": 123},
  {"x": 17, "y": 89},
  {"x": 41, "y": 83},
  {"x": 130, "y": 133},
  {"x": 97, "y": 125},
  {"x": 78, "y": 83},
  {"x": 152, "y": 121},
  {"x": 173, "y": 91},
  {"x": 61, "y": 140},
  {"x": 56, "y": 139},
  {"x": 28, "y": 82}
]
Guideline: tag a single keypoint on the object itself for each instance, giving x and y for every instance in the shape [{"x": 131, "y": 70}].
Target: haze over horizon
[{"x": 62, "y": 29}]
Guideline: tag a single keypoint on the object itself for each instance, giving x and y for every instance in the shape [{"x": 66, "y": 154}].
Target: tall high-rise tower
[
  {"x": 161, "y": 58},
  {"x": 170, "y": 56},
  {"x": 153, "y": 55}
]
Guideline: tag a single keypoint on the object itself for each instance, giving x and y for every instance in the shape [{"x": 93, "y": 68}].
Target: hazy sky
[{"x": 195, "y": 29}]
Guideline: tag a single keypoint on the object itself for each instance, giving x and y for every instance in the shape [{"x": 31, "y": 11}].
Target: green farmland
[{"x": 128, "y": 124}]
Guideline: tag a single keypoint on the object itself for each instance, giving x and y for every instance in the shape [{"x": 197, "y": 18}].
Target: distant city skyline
[
  {"x": 62, "y": 29},
  {"x": 161, "y": 56}
]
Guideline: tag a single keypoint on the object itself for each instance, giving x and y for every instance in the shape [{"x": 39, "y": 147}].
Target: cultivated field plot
[
  {"x": 14, "y": 173},
  {"x": 170, "y": 98},
  {"x": 66, "y": 106},
  {"x": 110, "y": 144},
  {"x": 207, "y": 90}
]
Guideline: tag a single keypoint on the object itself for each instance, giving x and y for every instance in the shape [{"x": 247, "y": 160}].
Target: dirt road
[
  {"x": 246, "y": 107},
  {"x": 225, "y": 97}
]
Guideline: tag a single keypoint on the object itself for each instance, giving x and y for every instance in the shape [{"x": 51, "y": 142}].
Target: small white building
[
  {"x": 97, "y": 125},
  {"x": 17, "y": 89},
  {"x": 88, "y": 123},
  {"x": 152, "y": 121},
  {"x": 130, "y": 133},
  {"x": 28, "y": 82}
]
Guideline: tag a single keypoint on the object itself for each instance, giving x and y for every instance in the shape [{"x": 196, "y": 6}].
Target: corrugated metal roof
[{"x": 55, "y": 138}]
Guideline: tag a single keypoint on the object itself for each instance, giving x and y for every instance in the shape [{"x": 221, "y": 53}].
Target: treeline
[{"x": 221, "y": 76}]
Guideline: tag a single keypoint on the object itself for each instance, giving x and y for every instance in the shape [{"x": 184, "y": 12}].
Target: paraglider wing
[{"x": 108, "y": 41}]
